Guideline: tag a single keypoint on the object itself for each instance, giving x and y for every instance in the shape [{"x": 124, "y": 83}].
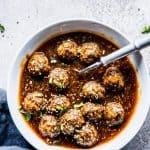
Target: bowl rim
[{"x": 55, "y": 23}]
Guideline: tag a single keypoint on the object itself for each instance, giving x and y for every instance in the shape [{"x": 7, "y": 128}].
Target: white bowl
[{"x": 142, "y": 106}]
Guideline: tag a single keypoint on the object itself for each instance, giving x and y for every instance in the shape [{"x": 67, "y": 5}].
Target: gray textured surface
[{"x": 23, "y": 18}]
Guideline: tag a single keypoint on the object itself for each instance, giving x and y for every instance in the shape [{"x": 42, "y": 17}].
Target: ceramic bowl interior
[{"x": 116, "y": 37}]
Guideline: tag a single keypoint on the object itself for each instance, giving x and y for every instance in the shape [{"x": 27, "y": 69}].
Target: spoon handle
[{"x": 135, "y": 46}]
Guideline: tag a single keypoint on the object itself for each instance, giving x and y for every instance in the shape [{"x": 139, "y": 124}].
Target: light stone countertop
[{"x": 22, "y": 18}]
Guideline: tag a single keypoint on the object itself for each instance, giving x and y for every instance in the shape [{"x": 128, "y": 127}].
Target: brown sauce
[{"x": 127, "y": 97}]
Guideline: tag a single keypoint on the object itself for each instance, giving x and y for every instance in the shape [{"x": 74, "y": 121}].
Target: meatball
[
  {"x": 87, "y": 136},
  {"x": 71, "y": 120},
  {"x": 93, "y": 112},
  {"x": 114, "y": 113},
  {"x": 58, "y": 104},
  {"x": 49, "y": 126},
  {"x": 38, "y": 64},
  {"x": 113, "y": 79},
  {"x": 89, "y": 52},
  {"x": 93, "y": 90},
  {"x": 34, "y": 102},
  {"x": 59, "y": 78},
  {"x": 67, "y": 50}
]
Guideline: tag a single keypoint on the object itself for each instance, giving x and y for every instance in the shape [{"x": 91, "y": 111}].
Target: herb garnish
[
  {"x": 40, "y": 114},
  {"x": 59, "y": 108},
  {"x": 61, "y": 127},
  {"x": 78, "y": 130},
  {"x": 63, "y": 111},
  {"x": 146, "y": 29},
  {"x": 57, "y": 141},
  {"x": 2, "y": 28},
  {"x": 42, "y": 111},
  {"x": 78, "y": 105},
  {"x": 27, "y": 114},
  {"x": 53, "y": 60}
]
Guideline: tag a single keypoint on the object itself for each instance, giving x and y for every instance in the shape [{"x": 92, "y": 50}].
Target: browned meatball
[
  {"x": 71, "y": 120},
  {"x": 113, "y": 79},
  {"x": 59, "y": 78},
  {"x": 93, "y": 90},
  {"x": 87, "y": 136},
  {"x": 67, "y": 50},
  {"x": 49, "y": 126},
  {"x": 114, "y": 113},
  {"x": 58, "y": 104},
  {"x": 93, "y": 112},
  {"x": 89, "y": 52},
  {"x": 33, "y": 102},
  {"x": 38, "y": 64}
]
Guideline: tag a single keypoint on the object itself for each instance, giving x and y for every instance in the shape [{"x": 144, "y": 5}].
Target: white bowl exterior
[{"x": 13, "y": 83}]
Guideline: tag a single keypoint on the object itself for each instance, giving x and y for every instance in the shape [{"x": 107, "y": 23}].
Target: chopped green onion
[
  {"x": 59, "y": 108},
  {"x": 45, "y": 100},
  {"x": 57, "y": 141},
  {"x": 64, "y": 64},
  {"x": 77, "y": 130},
  {"x": 39, "y": 95},
  {"x": 63, "y": 111},
  {"x": 61, "y": 127},
  {"x": 50, "y": 81},
  {"x": 22, "y": 111},
  {"x": 53, "y": 60},
  {"x": 41, "y": 66},
  {"x": 78, "y": 105},
  {"x": 41, "y": 114}
]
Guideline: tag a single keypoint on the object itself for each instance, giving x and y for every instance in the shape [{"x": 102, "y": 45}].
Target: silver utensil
[{"x": 130, "y": 48}]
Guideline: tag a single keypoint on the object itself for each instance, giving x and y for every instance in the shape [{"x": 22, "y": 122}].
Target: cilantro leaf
[
  {"x": 27, "y": 114},
  {"x": 146, "y": 29},
  {"x": 2, "y": 28}
]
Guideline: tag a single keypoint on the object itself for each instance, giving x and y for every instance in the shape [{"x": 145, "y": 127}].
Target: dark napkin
[{"x": 11, "y": 139}]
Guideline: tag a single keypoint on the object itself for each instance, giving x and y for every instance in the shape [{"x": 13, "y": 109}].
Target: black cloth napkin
[{"x": 10, "y": 138}]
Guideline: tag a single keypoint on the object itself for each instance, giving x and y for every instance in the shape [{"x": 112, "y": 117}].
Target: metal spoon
[{"x": 130, "y": 48}]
